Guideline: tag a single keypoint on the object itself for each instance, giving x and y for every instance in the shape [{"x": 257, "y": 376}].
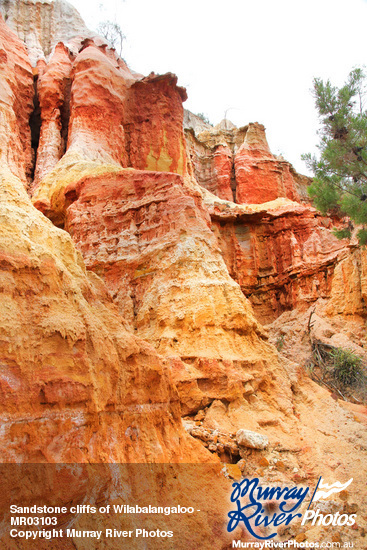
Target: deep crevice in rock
[
  {"x": 233, "y": 181},
  {"x": 65, "y": 115},
  {"x": 35, "y": 126}
]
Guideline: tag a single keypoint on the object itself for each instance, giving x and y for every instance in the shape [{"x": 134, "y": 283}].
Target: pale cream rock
[
  {"x": 41, "y": 24},
  {"x": 253, "y": 440}
]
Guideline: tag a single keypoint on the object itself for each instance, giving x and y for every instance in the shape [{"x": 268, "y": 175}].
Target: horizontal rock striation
[
  {"x": 163, "y": 268},
  {"x": 280, "y": 250},
  {"x": 283, "y": 254}
]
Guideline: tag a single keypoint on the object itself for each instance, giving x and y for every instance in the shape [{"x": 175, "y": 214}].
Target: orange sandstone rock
[
  {"x": 260, "y": 177},
  {"x": 348, "y": 295},
  {"x": 146, "y": 234},
  {"x": 153, "y": 124},
  {"x": 160, "y": 261},
  {"x": 91, "y": 122},
  {"x": 210, "y": 153},
  {"x": 283, "y": 254},
  {"x": 75, "y": 385},
  {"x": 54, "y": 84},
  {"x": 236, "y": 164},
  {"x": 223, "y": 173},
  {"x": 106, "y": 102},
  {"x": 16, "y": 104},
  {"x": 98, "y": 92}
]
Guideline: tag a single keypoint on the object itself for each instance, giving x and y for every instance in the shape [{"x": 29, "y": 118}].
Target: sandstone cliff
[
  {"x": 137, "y": 270},
  {"x": 68, "y": 360},
  {"x": 42, "y": 24},
  {"x": 76, "y": 386}
]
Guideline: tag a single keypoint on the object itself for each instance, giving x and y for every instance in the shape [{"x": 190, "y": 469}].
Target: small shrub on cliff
[
  {"x": 279, "y": 344},
  {"x": 113, "y": 34},
  {"x": 204, "y": 118},
  {"x": 347, "y": 368},
  {"x": 341, "y": 370},
  {"x": 340, "y": 182}
]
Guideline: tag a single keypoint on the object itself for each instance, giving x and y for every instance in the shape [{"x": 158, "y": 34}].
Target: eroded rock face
[
  {"x": 98, "y": 90},
  {"x": 348, "y": 294},
  {"x": 283, "y": 254},
  {"x": 53, "y": 90},
  {"x": 162, "y": 265},
  {"x": 74, "y": 383},
  {"x": 82, "y": 108},
  {"x": 223, "y": 170},
  {"x": 279, "y": 249},
  {"x": 153, "y": 124},
  {"x": 152, "y": 254},
  {"x": 41, "y": 24},
  {"x": 260, "y": 177},
  {"x": 214, "y": 344},
  {"x": 68, "y": 362},
  {"x": 97, "y": 116},
  {"x": 210, "y": 153},
  {"x": 16, "y": 104},
  {"x": 160, "y": 260},
  {"x": 236, "y": 164}
]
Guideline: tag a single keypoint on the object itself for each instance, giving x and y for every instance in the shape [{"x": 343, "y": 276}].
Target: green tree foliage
[{"x": 340, "y": 182}]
